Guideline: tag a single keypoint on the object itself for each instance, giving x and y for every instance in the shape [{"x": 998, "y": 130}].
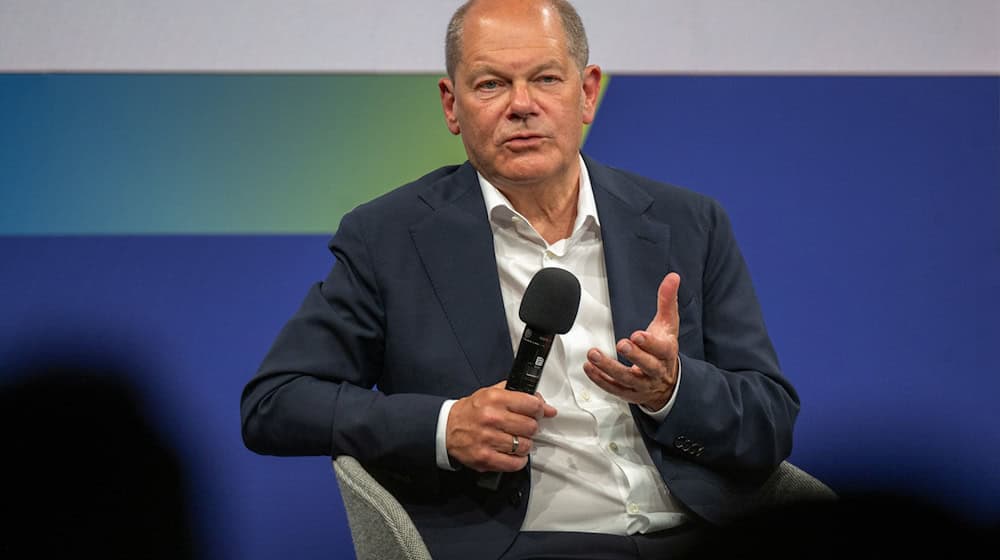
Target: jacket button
[{"x": 515, "y": 497}]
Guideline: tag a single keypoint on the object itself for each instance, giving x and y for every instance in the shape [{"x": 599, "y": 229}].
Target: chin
[
  {"x": 528, "y": 170},
  {"x": 526, "y": 176}
]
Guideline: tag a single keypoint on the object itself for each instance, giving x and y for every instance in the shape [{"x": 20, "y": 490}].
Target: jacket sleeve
[
  {"x": 315, "y": 392},
  {"x": 734, "y": 410}
]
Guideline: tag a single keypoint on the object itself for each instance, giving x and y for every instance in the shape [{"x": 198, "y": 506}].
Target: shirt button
[
  {"x": 633, "y": 507},
  {"x": 613, "y": 447},
  {"x": 585, "y": 396},
  {"x": 549, "y": 255}
]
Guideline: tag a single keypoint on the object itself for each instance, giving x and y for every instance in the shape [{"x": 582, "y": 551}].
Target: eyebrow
[{"x": 488, "y": 68}]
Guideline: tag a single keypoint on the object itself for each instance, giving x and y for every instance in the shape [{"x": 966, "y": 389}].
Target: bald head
[{"x": 576, "y": 37}]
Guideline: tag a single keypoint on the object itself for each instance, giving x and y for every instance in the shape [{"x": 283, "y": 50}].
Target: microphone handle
[{"x": 525, "y": 373}]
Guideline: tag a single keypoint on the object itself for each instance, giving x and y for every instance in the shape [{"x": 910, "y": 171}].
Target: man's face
[{"x": 518, "y": 99}]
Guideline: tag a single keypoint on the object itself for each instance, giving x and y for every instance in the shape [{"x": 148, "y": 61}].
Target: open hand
[{"x": 651, "y": 378}]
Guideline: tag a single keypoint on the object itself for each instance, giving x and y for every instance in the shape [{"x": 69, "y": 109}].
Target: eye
[
  {"x": 549, "y": 79},
  {"x": 489, "y": 85}
]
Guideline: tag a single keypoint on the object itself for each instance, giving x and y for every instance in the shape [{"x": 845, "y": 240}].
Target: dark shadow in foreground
[
  {"x": 869, "y": 525},
  {"x": 86, "y": 474}
]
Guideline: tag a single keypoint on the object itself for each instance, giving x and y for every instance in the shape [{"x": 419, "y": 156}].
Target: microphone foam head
[{"x": 551, "y": 301}]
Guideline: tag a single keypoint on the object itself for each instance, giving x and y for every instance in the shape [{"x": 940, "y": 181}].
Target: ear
[
  {"x": 591, "y": 91},
  {"x": 447, "y": 90}
]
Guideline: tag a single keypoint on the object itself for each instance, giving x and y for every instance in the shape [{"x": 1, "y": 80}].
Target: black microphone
[{"x": 548, "y": 308}]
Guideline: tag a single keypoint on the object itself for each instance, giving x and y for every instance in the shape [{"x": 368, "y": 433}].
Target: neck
[{"x": 549, "y": 207}]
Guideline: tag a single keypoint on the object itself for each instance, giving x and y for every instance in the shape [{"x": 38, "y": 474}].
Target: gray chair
[
  {"x": 382, "y": 530},
  {"x": 380, "y": 527},
  {"x": 790, "y": 484}
]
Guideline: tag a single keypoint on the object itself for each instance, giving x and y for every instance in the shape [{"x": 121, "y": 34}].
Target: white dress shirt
[{"x": 590, "y": 470}]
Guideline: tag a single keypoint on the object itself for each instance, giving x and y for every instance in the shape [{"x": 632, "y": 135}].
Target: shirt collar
[{"x": 500, "y": 210}]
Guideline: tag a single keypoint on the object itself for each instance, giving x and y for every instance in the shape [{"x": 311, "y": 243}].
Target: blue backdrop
[{"x": 868, "y": 209}]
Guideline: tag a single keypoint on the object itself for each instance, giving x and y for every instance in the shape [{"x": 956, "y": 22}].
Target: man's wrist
[
  {"x": 657, "y": 405},
  {"x": 441, "y": 443},
  {"x": 660, "y": 413}
]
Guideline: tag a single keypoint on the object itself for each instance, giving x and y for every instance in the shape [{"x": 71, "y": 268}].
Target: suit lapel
[
  {"x": 636, "y": 248},
  {"x": 456, "y": 246}
]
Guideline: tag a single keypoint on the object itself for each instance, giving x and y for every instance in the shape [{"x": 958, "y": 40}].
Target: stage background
[{"x": 166, "y": 202}]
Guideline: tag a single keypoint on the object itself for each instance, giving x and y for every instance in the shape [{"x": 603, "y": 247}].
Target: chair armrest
[{"x": 380, "y": 528}]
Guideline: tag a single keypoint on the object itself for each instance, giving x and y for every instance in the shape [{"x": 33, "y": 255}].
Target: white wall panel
[{"x": 637, "y": 36}]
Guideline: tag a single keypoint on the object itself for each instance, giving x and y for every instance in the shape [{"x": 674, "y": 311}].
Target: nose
[{"x": 522, "y": 104}]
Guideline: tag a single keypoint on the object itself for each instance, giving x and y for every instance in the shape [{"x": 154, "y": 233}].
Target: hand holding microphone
[
  {"x": 483, "y": 426},
  {"x": 491, "y": 429}
]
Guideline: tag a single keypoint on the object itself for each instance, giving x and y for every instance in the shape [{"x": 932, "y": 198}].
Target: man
[{"x": 645, "y": 433}]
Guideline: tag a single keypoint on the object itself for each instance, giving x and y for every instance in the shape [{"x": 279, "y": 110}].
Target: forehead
[{"x": 512, "y": 29}]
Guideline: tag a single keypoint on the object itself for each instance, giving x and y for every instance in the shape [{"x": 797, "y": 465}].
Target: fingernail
[
  {"x": 640, "y": 339},
  {"x": 625, "y": 347},
  {"x": 594, "y": 355}
]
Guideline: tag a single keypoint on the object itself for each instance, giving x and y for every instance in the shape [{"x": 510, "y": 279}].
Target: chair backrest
[
  {"x": 380, "y": 527},
  {"x": 382, "y": 530},
  {"x": 790, "y": 484}
]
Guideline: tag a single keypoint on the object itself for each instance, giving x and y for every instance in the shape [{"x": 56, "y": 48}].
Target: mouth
[{"x": 523, "y": 141}]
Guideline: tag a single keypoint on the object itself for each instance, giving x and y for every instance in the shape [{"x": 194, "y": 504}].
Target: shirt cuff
[
  {"x": 442, "y": 436},
  {"x": 660, "y": 415}
]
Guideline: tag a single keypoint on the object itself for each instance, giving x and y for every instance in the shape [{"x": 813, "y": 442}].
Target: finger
[
  {"x": 521, "y": 426},
  {"x": 548, "y": 411},
  {"x": 611, "y": 368},
  {"x": 509, "y": 463},
  {"x": 644, "y": 362},
  {"x": 507, "y": 456},
  {"x": 666, "y": 304},
  {"x": 648, "y": 391},
  {"x": 496, "y": 396},
  {"x": 487, "y": 425},
  {"x": 504, "y": 442},
  {"x": 498, "y": 451},
  {"x": 498, "y": 417},
  {"x": 525, "y": 404},
  {"x": 497, "y": 461},
  {"x": 605, "y": 382},
  {"x": 524, "y": 446}
]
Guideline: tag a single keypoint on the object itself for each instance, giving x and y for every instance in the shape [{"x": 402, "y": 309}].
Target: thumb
[{"x": 666, "y": 304}]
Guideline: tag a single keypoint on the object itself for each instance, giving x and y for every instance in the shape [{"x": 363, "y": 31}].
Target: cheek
[
  {"x": 478, "y": 132},
  {"x": 573, "y": 117},
  {"x": 484, "y": 128}
]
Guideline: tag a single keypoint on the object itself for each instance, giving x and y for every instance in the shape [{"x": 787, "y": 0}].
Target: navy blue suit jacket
[{"x": 412, "y": 307}]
